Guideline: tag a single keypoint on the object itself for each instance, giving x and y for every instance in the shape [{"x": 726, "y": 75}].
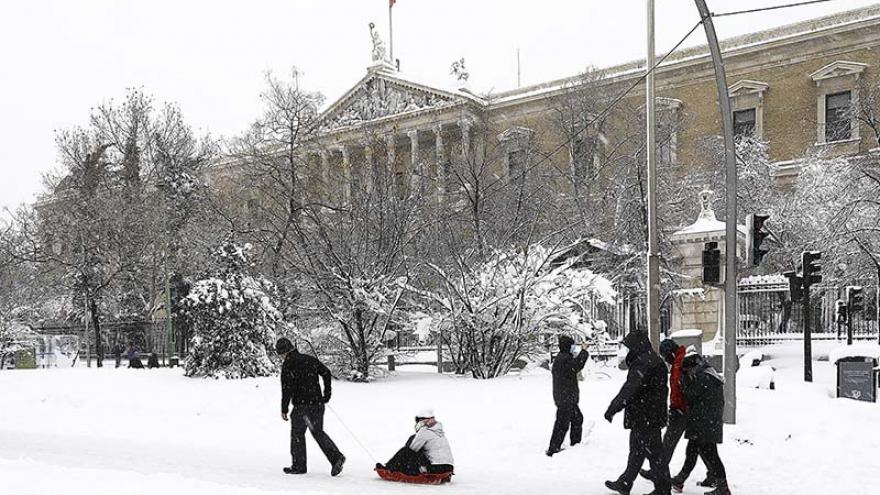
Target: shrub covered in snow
[
  {"x": 494, "y": 315},
  {"x": 233, "y": 319}
]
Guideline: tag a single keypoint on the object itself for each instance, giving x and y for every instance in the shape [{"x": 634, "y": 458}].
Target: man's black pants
[
  {"x": 567, "y": 416},
  {"x": 673, "y": 434},
  {"x": 647, "y": 444},
  {"x": 709, "y": 453},
  {"x": 311, "y": 417}
]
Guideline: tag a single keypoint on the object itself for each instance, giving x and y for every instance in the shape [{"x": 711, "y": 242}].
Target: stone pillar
[
  {"x": 325, "y": 169},
  {"x": 346, "y": 173},
  {"x": 415, "y": 169},
  {"x": 389, "y": 178},
  {"x": 465, "y": 126},
  {"x": 440, "y": 157},
  {"x": 368, "y": 174}
]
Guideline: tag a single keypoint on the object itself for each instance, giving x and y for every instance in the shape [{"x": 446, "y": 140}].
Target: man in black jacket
[
  {"x": 643, "y": 397},
  {"x": 299, "y": 386},
  {"x": 566, "y": 394}
]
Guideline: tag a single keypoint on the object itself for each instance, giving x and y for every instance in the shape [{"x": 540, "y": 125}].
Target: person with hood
[
  {"x": 674, "y": 355},
  {"x": 427, "y": 451},
  {"x": 703, "y": 389},
  {"x": 299, "y": 387},
  {"x": 643, "y": 398},
  {"x": 566, "y": 394}
]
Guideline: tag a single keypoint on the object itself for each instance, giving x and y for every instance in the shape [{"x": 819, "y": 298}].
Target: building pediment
[
  {"x": 840, "y": 68},
  {"x": 746, "y": 87},
  {"x": 386, "y": 94}
]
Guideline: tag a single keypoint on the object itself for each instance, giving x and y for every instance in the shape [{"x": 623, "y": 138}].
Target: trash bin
[{"x": 857, "y": 378}]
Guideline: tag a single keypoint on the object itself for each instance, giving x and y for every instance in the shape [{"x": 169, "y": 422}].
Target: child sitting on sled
[{"x": 425, "y": 452}]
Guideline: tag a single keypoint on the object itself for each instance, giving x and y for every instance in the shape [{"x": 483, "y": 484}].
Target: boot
[
  {"x": 337, "y": 466},
  {"x": 648, "y": 475},
  {"x": 720, "y": 490},
  {"x": 550, "y": 452},
  {"x": 677, "y": 484},
  {"x": 618, "y": 486},
  {"x": 709, "y": 482},
  {"x": 292, "y": 470}
]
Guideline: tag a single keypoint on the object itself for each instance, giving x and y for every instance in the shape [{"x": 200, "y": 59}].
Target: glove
[
  {"x": 609, "y": 416},
  {"x": 326, "y": 398}
]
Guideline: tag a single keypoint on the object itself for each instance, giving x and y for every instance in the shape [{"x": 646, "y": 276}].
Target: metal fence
[
  {"x": 147, "y": 337},
  {"x": 767, "y": 314}
]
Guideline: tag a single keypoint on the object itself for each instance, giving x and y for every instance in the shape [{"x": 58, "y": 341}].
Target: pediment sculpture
[{"x": 377, "y": 99}]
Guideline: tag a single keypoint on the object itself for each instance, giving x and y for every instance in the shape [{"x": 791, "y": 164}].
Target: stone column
[
  {"x": 368, "y": 174},
  {"x": 440, "y": 156},
  {"x": 325, "y": 169},
  {"x": 465, "y": 126},
  {"x": 415, "y": 169},
  {"x": 346, "y": 172},
  {"x": 388, "y": 177}
]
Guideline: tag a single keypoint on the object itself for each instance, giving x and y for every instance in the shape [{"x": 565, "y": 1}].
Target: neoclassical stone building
[{"x": 791, "y": 86}]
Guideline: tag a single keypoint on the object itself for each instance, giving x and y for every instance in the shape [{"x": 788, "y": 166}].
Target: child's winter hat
[{"x": 425, "y": 413}]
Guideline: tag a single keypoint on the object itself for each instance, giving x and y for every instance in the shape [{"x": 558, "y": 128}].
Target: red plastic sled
[{"x": 420, "y": 479}]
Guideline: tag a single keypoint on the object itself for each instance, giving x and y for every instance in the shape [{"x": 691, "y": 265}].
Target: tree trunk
[{"x": 99, "y": 345}]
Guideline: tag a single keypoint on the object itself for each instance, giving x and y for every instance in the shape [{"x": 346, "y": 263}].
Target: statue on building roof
[
  {"x": 459, "y": 71},
  {"x": 378, "y": 44}
]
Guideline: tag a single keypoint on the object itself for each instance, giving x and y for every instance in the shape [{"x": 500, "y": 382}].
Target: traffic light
[
  {"x": 755, "y": 235},
  {"x": 840, "y": 312},
  {"x": 711, "y": 263},
  {"x": 795, "y": 286},
  {"x": 812, "y": 267},
  {"x": 855, "y": 298}
]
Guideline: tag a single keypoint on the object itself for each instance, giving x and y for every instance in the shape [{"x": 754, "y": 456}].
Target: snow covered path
[{"x": 146, "y": 431}]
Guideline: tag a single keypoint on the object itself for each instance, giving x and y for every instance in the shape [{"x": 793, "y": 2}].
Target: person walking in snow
[
  {"x": 299, "y": 387},
  {"x": 643, "y": 398},
  {"x": 566, "y": 394},
  {"x": 674, "y": 355},
  {"x": 703, "y": 389},
  {"x": 427, "y": 451}
]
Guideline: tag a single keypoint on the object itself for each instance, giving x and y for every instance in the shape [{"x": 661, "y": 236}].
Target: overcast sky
[{"x": 60, "y": 58}]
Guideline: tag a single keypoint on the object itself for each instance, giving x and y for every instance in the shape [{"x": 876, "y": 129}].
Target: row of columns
[{"x": 416, "y": 170}]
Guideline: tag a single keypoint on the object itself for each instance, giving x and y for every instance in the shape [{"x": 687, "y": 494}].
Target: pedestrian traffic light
[
  {"x": 812, "y": 267},
  {"x": 840, "y": 312},
  {"x": 755, "y": 235},
  {"x": 711, "y": 263},
  {"x": 795, "y": 285},
  {"x": 855, "y": 298}
]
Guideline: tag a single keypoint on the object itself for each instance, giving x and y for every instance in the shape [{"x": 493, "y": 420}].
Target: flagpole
[{"x": 390, "y": 31}]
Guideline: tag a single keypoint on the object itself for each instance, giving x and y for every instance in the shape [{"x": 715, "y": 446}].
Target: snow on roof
[
  {"x": 855, "y": 350},
  {"x": 687, "y": 333},
  {"x": 702, "y": 51},
  {"x": 705, "y": 223},
  {"x": 694, "y": 292}
]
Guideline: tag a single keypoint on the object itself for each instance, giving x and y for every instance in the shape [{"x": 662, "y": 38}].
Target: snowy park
[
  {"x": 467, "y": 247},
  {"x": 155, "y": 431}
]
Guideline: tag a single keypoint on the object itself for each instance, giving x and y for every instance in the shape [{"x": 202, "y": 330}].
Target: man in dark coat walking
[
  {"x": 299, "y": 387},
  {"x": 703, "y": 389},
  {"x": 566, "y": 394},
  {"x": 643, "y": 398}
]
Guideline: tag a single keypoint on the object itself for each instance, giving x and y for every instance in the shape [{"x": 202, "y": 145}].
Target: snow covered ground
[{"x": 137, "y": 432}]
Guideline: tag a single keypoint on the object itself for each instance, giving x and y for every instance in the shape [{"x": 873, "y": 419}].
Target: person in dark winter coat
[
  {"x": 300, "y": 388},
  {"x": 674, "y": 354},
  {"x": 703, "y": 389},
  {"x": 643, "y": 399},
  {"x": 427, "y": 451},
  {"x": 566, "y": 394}
]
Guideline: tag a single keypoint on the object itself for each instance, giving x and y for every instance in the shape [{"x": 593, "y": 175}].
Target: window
[
  {"x": 583, "y": 154},
  {"x": 666, "y": 142},
  {"x": 516, "y": 165},
  {"x": 837, "y": 120},
  {"x": 744, "y": 122}
]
